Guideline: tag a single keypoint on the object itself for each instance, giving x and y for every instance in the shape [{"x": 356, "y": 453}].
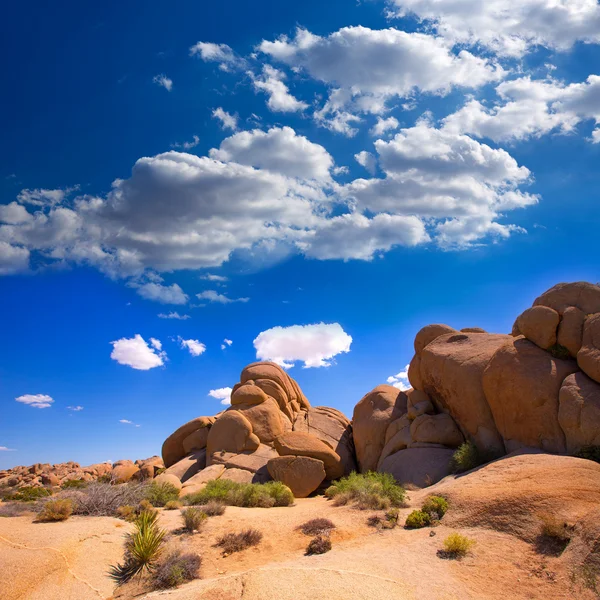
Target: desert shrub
[
  {"x": 554, "y": 536},
  {"x": 56, "y": 510},
  {"x": 466, "y": 457},
  {"x": 589, "y": 453},
  {"x": 559, "y": 351},
  {"x": 106, "y": 478},
  {"x": 213, "y": 508},
  {"x": 175, "y": 569},
  {"x": 17, "y": 509},
  {"x": 73, "y": 484},
  {"x": 173, "y": 505},
  {"x": 143, "y": 547},
  {"x": 318, "y": 545},
  {"x": 158, "y": 494},
  {"x": 316, "y": 526},
  {"x": 224, "y": 491},
  {"x": 6, "y": 493},
  {"x": 457, "y": 545},
  {"x": 193, "y": 519},
  {"x": 392, "y": 516},
  {"x": 374, "y": 521},
  {"x": 103, "y": 499},
  {"x": 417, "y": 519},
  {"x": 127, "y": 512},
  {"x": 30, "y": 493},
  {"x": 367, "y": 491},
  {"x": 435, "y": 506},
  {"x": 236, "y": 542}
]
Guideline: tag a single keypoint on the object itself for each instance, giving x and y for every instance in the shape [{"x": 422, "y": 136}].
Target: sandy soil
[{"x": 62, "y": 561}]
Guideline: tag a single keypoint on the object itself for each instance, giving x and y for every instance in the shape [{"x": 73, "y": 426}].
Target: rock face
[
  {"x": 420, "y": 467},
  {"x": 302, "y": 474}
]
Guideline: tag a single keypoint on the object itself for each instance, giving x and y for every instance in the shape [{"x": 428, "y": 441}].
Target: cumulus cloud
[
  {"x": 163, "y": 81},
  {"x": 195, "y": 347},
  {"x": 314, "y": 345},
  {"x": 187, "y": 145},
  {"x": 136, "y": 353},
  {"x": 128, "y": 422},
  {"x": 174, "y": 315},
  {"x": 226, "y": 343},
  {"x": 369, "y": 67},
  {"x": 42, "y": 197},
  {"x": 367, "y": 160},
  {"x": 165, "y": 294},
  {"x": 13, "y": 259},
  {"x": 212, "y": 277},
  {"x": 75, "y": 408},
  {"x": 509, "y": 27},
  {"x": 214, "y": 296},
  {"x": 219, "y": 53},
  {"x": 222, "y": 394},
  {"x": 227, "y": 121},
  {"x": 14, "y": 214},
  {"x": 5, "y": 449},
  {"x": 382, "y": 126},
  {"x": 400, "y": 380},
  {"x": 280, "y": 99},
  {"x": 36, "y": 400}
]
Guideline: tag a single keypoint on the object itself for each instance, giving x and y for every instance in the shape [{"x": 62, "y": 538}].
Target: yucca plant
[{"x": 142, "y": 548}]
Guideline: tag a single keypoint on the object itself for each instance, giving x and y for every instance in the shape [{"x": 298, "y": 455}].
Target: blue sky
[{"x": 313, "y": 182}]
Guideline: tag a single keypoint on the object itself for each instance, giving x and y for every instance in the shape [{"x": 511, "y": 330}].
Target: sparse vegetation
[
  {"x": 456, "y": 545},
  {"x": 559, "y": 351},
  {"x": 555, "y": 535},
  {"x": 30, "y": 494},
  {"x": 127, "y": 512},
  {"x": 589, "y": 453},
  {"x": 16, "y": 509},
  {"x": 173, "y": 505},
  {"x": 103, "y": 499},
  {"x": 236, "y": 542},
  {"x": 158, "y": 494},
  {"x": 55, "y": 510},
  {"x": 142, "y": 549},
  {"x": 417, "y": 519},
  {"x": 213, "y": 508},
  {"x": 466, "y": 457},
  {"x": 193, "y": 519},
  {"x": 250, "y": 495},
  {"x": 319, "y": 545},
  {"x": 175, "y": 569},
  {"x": 435, "y": 507},
  {"x": 73, "y": 484},
  {"x": 375, "y": 491},
  {"x": 388, "y": 521},
  {"x": 316, "y": 527}
]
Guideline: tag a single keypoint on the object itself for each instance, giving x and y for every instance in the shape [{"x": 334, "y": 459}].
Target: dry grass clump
[
  {"x": 213, "y": 508},
  {"x": 318, "y": 545},
  {"x": 249, "y": 495},
  {"x": 236, "y": 542},
  {"x": 456, "y": 546},
  {"x": 175, "y": 569},
  {"x": 173, "y": 505},
  {"x": 16, "y": 509},
  {"x": 104, "y": 499},
  {"x": 193, "y": 519},
  {"x": 55, "y": 510},
  {"x": 375, "y": 491},
  {"x": 316, "y": 527},
  {"x": 388, "y": 521},
  {"x": 554, "y": 536}
]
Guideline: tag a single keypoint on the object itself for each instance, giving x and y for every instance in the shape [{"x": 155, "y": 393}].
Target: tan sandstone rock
[
  {"x": 196, "y": 440},
  {"x": 583, "y": 295},
  {"x": 302, "y": 474},
  {"x": 420, "y": 467},
  {"x": 188, "y": 466},
  {"x": 539, "y": 324},
  {"x": 123, "y": 471},
  {"x": 231, "y": 432},
  {"x": 248, "y": 393},
  {"x": 397, "y": 437},
  {"x": 521, "y": 384},
  {"x": 414, "y": 373},
  {"x": 372, "y": 416},
  {"x": 169, "y": 478},
  {"x": 265, "y": 417},
  {"x": 588, "y": 357},
  {"x": 172, "y": 449},
  {"x": 579, "y": 411},
  {"x": 199, "y": 480},
  {"x": 570, "y": 330},
  {"x": 238, "y": 475},
  {"x": 436, "y": 429},
  {"x": 427, "y": 334}
]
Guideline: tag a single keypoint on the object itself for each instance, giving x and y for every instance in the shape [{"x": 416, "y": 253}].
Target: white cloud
[
  {"x": 510, "y": 27},
  {"x": 174, "y": 315},
  {"x": 220, "y": 53},
  {"x": 400, "y": 380},
  {"x": 314, "y": 345},
  {"x": 13, "y": 259},
  {"x": 222, "y": 394},
  {"x": 14, "y": 214},
  {"x": 41, "y": 197},
  {"x": 195, "y": 347},
  {"x": 383, "y": 126},
  {"x": 128, "y": 422},
  {"x": 211, "y": 277},
  {"x": 163, "y": 81},
  {"x": 157, "y": 344},
  {"x": 214, "y": 296},
  {"x": 165, "y": 294},
  {"x": 280, "y": 99},
  {"x": 226, "y": 343},
  {"x": 36, "y": 400},
  {"x": 5, "y": 449},
  {"x": 367, "y": 160},
  {"x": 530, "y": 108},
  {"x": 227, "y": 121},
  {"x": 75, "y": 408},
  {"x": 188, "y": 145},
  {"x": 371, "y": 66},
  {"x": 280, "y": 150},
  {"x": 137, "y": 354}
]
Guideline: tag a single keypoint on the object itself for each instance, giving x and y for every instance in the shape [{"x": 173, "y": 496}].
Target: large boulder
[
  {"x": 588, "y": 357},
  {"x": 265, "y": 418},
  {"x": 427, "y": 334},
  {"x": 196, "y": 440},
  {"x": 169, "y": 478},
  {"x": 579, "y": 412},
  {"x": 372, "y": 416},
  {"x": 420, "y": 467},
  {"x": 173, "y": 449},
  {"x": 188, "y": 466},
  {"x": 123, "y": 471},
  {"x": 452, "y": 369},
  {"x": 521, "y": 384},
  {"x": 436, "y": 429},
  {"x": 231, "y": 432},
  {"x": 302, "y": 474},
  {"x": 199, "y": 480},
  {"x": 570, "y": 330},
  {"x": 255, "y": 462},
  {"x": 583, "y": 295},
  {"x": 397, "y": 437},
  {"x": 296, "y": 443},
  {"x": 539, "y": 324}
]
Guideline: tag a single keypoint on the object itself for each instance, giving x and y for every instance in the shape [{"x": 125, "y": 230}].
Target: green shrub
[
  {"x": 417, "y": 519},
  {"x": 318, "y": 545},
  {"x": 158, "y": 494},
  {"x": 127, "y": 512},
  {"x": 173, "y": 505},
  {"x": 142, "y": 549},
  {"x": 236, "y": 542},
  {"x": 106, "y": 478},
  {"x": 589, "y": 453},
  {"x": 367, "y": 491},
  {"x": 457, "y": 545},
  {"x": 435, "y": 506},
  {"x": 231, "y": 493},
  {"x": 73, "y": 484},
  {"x": 193, "y": 519},
  {"x": 391, "y": 518},
  {"x": 176, "y": 569},
  {"x": 466, "y": 457},
  {"x": 55, "y": 510},
  {"x": 29, "y": 494}
]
